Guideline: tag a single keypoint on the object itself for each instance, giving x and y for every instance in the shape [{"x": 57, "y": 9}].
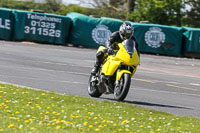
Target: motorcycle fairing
[
  {"x": 110, "y": 66},
  {"x": 123, "y": 56},
  {"x": 127, "y": 58}
]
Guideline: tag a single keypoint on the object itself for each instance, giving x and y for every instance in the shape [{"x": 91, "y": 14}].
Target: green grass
[{"x": 26, "y": 110}]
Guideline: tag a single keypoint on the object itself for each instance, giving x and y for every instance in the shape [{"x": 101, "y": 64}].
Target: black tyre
[
  {"x": 121, "y": 92},
  {"x": 93, "y": 89}
]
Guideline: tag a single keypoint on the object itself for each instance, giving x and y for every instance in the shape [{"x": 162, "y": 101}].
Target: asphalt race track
[{"x": 161, "y": 83}]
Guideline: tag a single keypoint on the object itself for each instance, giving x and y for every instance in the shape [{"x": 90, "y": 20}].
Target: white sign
[
  {"x": 42, "y": 26},
  {"x": 43, "y": 29},
  {"x": 5, "y": 24},
  {"x": 154, "y": 37},
  {"x": 44, "y": 18},
  {"x": 100, "y": 34}
]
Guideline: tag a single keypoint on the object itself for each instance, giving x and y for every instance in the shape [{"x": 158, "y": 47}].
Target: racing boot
[
  {"x": 99, "y": 61},
  {"x": 95, "y": 69}
]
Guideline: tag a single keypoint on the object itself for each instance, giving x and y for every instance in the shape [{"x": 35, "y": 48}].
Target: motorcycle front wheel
[
  {"x": 121, "y": 92},
  {"x": 93, "y": 89}
]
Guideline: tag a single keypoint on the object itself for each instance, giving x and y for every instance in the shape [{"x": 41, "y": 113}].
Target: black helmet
[{"x": 126, "y": 31}]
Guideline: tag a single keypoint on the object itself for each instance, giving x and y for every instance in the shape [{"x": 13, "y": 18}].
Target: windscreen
[{"x": 129, "y": 45}]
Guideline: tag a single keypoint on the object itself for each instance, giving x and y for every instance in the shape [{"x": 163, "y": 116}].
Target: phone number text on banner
[{"x": 39, "y": 26}]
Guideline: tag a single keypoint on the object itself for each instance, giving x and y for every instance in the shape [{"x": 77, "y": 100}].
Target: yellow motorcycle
[{"x": 114, "y": 76}]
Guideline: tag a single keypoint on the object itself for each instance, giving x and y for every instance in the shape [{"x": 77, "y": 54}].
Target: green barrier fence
[
  {"x": 159, "y": 39},
  {"x": 91, "y": 32},
  {"x": 6, "y": 24},
  {"x": 192, "y": 42},
  {"x": 41, "y": 27}
]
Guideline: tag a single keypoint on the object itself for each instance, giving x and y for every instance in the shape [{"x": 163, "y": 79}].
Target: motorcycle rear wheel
[
  {"x": 121, "y": 92},
  {"x": 93, "y": 89}
]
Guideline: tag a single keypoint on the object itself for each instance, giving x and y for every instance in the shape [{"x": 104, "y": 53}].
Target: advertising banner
[
  {"x": 192, "y": 42},
  {"x": 6, "y": 24},
  {"x": 158, "y": 39},
  {"x": 90, "y": 31},
  {"x": 41, "y": 27}
]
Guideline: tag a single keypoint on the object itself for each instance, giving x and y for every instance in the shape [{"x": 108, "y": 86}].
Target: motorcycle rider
[{"x": 125, "y": 32}]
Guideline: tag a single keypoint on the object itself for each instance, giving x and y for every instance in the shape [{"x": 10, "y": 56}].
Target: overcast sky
[
  {"x": 76, "y": 2},
  {"x": 70, "y": 1},
  {"x": 67, "y": 2}
]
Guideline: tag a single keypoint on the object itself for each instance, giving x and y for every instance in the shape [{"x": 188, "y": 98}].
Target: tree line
[{"x": 164, "y": 12}]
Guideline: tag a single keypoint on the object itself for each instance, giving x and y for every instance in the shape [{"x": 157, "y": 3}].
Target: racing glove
[{"x": 110, "y": 51}]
